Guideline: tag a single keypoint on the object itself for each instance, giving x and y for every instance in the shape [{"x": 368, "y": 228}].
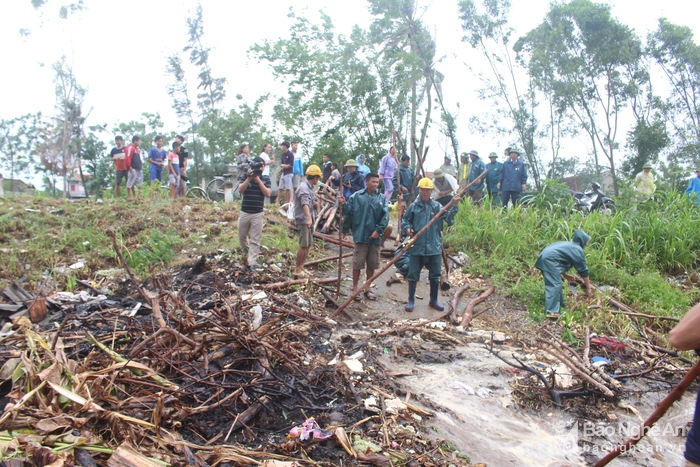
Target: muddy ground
[{"x": 473, "y": 393}]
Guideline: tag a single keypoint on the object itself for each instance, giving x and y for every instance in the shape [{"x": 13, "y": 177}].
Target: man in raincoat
[
  {"x": 353, "y": 180},
  {"x": 494, "y": 168},
  {"x": 644, "y": 181},
  {"x": 367, "y": 215},
  {"x": 693, "y": 189},
  {"x": 554, "y": 261},
  {"x": 476, "y": 169},
  {"x": 361, "y": 166},
  {"x": 426, "y": 251},
  {"x": 407, "y": 177}
]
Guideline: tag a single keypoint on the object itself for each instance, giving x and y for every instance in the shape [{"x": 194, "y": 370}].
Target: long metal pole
[{"x": 404, "y": 249}]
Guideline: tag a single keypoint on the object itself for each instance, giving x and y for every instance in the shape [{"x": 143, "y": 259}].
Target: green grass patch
[{"x": 643, "y": 252}]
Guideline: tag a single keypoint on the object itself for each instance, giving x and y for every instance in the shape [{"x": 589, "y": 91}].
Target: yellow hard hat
[
  {"x": 313, "y": 171},
  {"x": 425, "y": 183}
]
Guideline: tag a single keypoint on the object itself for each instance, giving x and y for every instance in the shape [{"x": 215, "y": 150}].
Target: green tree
[
  {"x": 338, "y": 97},
  {"x": 676, "y": 52},
  {"x": 515, "y": 105},
  {"x": 407, "y": 53},
  {"x": 98, "y": 165},
  {"x": 590, "y": 62},
  {"x": 18, "y": 139}
]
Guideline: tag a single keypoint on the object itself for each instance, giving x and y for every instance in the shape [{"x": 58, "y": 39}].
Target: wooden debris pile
[{"x": 191, "y": 377}]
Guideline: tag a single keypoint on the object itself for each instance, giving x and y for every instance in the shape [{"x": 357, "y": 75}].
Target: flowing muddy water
[{"x": 484, "y": 423}]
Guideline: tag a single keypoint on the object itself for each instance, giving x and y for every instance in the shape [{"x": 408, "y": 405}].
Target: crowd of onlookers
[{"x": 129, "y": 165}]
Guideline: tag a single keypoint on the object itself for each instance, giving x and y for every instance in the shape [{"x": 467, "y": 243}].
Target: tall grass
[{"x": 636, "y": 250}]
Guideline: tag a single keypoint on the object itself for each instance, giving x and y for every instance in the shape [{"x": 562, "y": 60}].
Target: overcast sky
[{"x": 118, "y": 51}]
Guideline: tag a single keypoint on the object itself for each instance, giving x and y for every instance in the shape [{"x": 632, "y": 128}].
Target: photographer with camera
[{"x": 250, "y": 220}]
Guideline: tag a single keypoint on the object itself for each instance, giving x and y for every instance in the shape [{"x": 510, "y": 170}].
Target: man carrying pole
[
  {"x": 367, "y": 215},
  {"x": 398, "y": 256},
  {"x": 426, "y": 251}
]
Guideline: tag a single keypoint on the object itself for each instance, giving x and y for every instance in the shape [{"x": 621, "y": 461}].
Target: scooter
[{"x": 593, "y": 200}]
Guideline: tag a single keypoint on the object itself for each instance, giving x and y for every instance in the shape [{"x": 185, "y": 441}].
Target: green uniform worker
[
  {"x": 427, "y": 249},
  {"x": 492, "y": 177},
  {"x": 555, "y": 260},
  {"x": 407, "y": 179}
]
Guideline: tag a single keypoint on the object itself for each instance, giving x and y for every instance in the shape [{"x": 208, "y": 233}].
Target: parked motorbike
[{"x": 593, "y": 200}]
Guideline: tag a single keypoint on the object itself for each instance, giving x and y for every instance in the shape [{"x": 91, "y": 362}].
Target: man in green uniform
[
  {"x": 407, "y": 177},
  {"x": 494, "y": 168},
  {"x": 554, "y": 261},
  {"x": 367, "y": 215},
  {"x": 427, "y": 249}
]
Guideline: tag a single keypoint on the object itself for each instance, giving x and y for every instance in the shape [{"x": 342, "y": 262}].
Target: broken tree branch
[{"x": 469, "y": 310}]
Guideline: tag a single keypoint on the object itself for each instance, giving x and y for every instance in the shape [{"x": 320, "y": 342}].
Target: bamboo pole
[
  {"x": 437, "y": 216},
  {"x": 663, "y": 406},
  {"x": 340, "y": 236}
]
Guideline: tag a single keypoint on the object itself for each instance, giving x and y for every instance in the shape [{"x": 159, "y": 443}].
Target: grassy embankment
[
  {"x": 41, "y": 236},
  {"x": 648, "y": 252}
]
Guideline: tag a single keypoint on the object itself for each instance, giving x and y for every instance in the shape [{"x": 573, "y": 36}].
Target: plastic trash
[
  {"x": 257, "y": 316},
  {"x": 613, "y": 344},
  {"x": 600, "y": 361},
  {"x": 309, "y": 431}
]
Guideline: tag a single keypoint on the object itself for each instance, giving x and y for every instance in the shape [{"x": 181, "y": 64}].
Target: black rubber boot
[
  {"x": 411, "y": 296},
  {"x": 434, "y": 286}
]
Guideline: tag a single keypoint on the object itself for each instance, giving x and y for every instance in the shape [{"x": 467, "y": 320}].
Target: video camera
[{"x": 256, "y": 166}]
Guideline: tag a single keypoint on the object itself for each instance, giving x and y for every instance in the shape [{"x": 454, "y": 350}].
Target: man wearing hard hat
[{"x": 426, "y": 251}]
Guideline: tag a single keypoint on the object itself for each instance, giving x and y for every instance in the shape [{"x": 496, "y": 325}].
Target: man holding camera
[{"x": 250, "y": 220}]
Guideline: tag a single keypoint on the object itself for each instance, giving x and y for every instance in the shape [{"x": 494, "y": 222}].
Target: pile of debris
[{"x": 191, "y": 377}]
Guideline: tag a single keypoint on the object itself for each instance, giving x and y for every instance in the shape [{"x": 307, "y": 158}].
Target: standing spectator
[
  {"x": 298, "y": 166},
  {"x": 117, "y": 155},
  {"x": 367, "y": 216},
  {"x": 254, "y": 189},
  {"x": 407, "y": 178},
  {"x": 387, "y": 167},
  {"x": 336, "y": 178},
  {"x": 444, "y": 187},
  {"x": 287, "y": 165},
  {"x": 242, "y": 160},
  {"x": 174, "y": 180},
  {"x": 463, "y": 171},
  {"x": 353, "y": 181},
  {"x": 426, "y": 251},
  {"x": 693, "y": 189},
  {"x": 513, "y": 178},
  {"x": 132, "y": 159},
  {"x": 361, "y": 167},
  {"x": 494, "y": 168},
  {"x": 686, "y": 336},
  {"x": 156, "y": 157},
  {"x": 555, "y": 260},
  {"x": 476, "y": 169},
  {"x": 644, "y": 181},
  {"x": 183, "y": 156},
  {"x": 326, "y": 167},
  {"x": 265, "y": 156},
  {"x": 304, "y": 215},
  {"x": 448, "y": 168}
]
